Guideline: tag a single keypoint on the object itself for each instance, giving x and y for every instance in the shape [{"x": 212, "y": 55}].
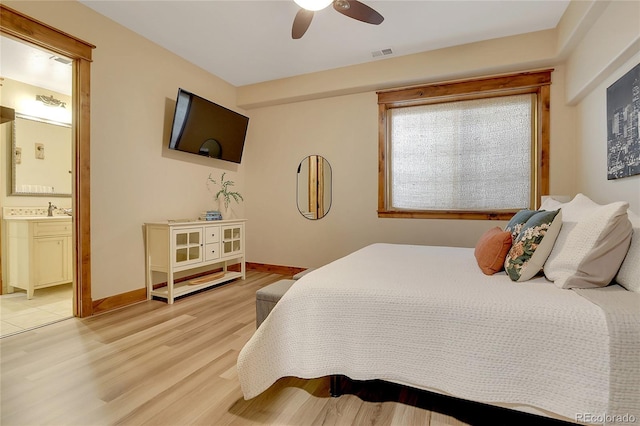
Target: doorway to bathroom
[
  {"x": 53, "y": 240},
  {"x": 36, "y": 150}
]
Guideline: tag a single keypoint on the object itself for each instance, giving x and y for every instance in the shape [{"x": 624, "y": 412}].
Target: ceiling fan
[{"x": 351, "y": 8}]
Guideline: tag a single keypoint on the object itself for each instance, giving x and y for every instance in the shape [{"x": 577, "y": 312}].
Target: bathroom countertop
[{"x": 38, "y": 218}]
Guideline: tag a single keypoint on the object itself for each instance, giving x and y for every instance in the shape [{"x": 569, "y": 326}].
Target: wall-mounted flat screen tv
[{"x": 206, "y": 128}]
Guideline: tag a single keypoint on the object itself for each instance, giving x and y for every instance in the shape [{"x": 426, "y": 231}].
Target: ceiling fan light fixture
[
  {"x": 342, "y": 4},
  {"x": 313, "y": 4},
  {"x": 350, "y": 8}
]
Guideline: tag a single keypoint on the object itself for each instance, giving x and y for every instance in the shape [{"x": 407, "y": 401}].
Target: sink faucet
[{"x": 50, "y": 210}]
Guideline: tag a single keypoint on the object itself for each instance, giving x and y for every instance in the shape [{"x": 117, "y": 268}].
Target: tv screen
[{"x": 205, "y": 128}]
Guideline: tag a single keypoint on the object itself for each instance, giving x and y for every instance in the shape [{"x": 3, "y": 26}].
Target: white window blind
[{"x": 462, "y": 155}]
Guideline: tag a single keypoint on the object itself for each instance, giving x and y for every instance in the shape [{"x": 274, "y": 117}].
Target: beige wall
[
  {"x": 344, "y": 130},
  {"x": 602, "y": 57},
  {"x": 592, "y": 149},
  {"x": 134, "y": 178},
  {"x": 609, "y": 41},
  {"x": 508, "y": 54},
  {"x": 319, "y": 114}
]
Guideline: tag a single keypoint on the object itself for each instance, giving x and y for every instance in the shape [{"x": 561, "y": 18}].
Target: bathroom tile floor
[{"x": 51, "y": 304}]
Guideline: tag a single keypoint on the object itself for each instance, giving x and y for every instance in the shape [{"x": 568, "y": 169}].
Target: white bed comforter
[{"x": 428, "y": 318}]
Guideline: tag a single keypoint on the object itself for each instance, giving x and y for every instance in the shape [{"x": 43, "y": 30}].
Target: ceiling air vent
[
  {"x": 383, "y": 52},
  {"x": 64, "y": 61}
]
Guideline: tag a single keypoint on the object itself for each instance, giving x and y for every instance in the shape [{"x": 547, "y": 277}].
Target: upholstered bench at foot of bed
[{"x": 267, "y": 297}]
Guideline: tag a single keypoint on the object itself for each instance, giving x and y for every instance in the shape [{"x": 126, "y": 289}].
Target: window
[{"x": 474, "y": 149}]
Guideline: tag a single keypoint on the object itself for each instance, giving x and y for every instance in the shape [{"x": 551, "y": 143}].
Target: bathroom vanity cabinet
[
  {"x": 39, "y": 252},
  {"x": 185, "y": 246}
]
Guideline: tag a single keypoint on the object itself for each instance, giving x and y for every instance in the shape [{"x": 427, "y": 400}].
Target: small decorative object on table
[
  {"x": 210, "y": 215},
  {"x": 224, "y": 195}
]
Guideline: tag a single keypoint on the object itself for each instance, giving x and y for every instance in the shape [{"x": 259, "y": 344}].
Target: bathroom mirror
[
  {"x": 41, "y": 157},
  {"x": 314, "y": 187}
]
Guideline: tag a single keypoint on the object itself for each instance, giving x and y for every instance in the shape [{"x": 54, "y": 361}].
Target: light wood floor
[{"x": 159, "y": 364}]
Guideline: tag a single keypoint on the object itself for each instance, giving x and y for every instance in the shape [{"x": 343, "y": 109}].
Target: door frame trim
[{"x": 22, "y": 27}]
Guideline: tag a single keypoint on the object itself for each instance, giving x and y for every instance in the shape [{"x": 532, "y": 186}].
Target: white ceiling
[
  {"x": 25, "y": 63},
  {"x": 245, "y": 42}
]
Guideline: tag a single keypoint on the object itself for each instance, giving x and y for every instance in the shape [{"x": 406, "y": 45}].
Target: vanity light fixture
[{"x": 51, "y": 101}]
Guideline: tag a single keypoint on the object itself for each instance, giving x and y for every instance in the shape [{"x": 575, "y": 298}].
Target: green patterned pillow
[
  {"x": 532, "y": 246},
  {"x": 517, "y": 222}
]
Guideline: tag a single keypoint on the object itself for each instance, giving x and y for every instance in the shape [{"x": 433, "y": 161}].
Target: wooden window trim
[{"x": 537, "y": 82}]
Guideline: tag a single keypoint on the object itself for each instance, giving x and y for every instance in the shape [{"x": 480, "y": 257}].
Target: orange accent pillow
[{"x": 492, "y": 249}]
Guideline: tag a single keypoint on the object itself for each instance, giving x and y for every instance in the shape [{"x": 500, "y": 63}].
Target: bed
[{"x": 428, "y": 318}]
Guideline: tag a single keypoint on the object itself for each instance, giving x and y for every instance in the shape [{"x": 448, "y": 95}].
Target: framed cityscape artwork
[{"x": 623, "y": 121}]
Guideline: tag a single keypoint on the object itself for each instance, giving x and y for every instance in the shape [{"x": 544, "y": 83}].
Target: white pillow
[
  {"x": 591, "y": 246},
  {"x": 629, "y": 273},
  {"x": 550, "y": 203}
]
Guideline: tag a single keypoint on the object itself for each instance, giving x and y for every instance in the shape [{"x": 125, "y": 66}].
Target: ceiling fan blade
[
  {"x": 359, "y": 11},
  {"x": 301, "y": 23}
]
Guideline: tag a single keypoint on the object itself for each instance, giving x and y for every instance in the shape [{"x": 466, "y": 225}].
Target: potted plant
[{"x": 224, "y": 195}]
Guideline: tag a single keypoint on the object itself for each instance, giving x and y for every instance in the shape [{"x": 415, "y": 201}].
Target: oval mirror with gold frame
[{"x": 314, "y": 187}]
